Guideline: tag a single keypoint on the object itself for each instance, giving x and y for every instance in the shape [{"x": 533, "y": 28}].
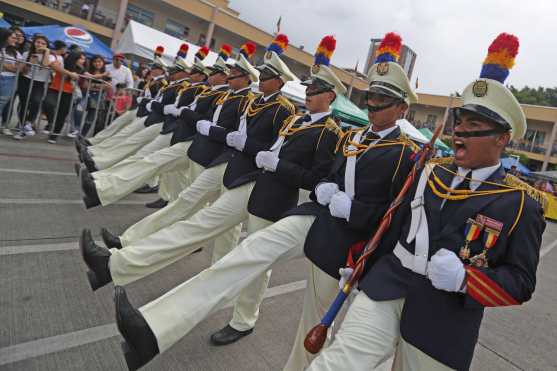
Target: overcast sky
[{"x": 451, "y": 37}]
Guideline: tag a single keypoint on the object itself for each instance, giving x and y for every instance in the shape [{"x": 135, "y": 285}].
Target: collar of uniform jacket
[
  {"x": 478, "y": 176},
  {"x": 265, "y": 99},
  {"x": 382, "y": 134},
  {"x": 217, "y": 87},
  {"x": 240, "y": 90},
  {"x": 318, "y": 116}
]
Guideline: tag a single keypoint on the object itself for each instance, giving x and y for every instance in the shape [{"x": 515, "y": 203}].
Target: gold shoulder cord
[{"x": 361, "y": 148}]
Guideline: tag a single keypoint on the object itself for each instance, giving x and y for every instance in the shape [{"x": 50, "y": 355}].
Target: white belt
[
  {"x": 350, "y": 170},
  {"x": 418, "y": 232},
  {"x": 415, "y": 263}
]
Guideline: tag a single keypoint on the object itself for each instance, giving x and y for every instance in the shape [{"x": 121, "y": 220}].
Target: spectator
[
  {"x": 31, "y": 94},
  {"x": 140, "y": 75},
  {"x": 122, "y": 100},
  {"x": 62, "y": 86},
  {"x": 96, "y": 103},
  {"x": 10, "y": 56},
  {"x": 21, "y": 44},
  {"x": 85, "y": 10},
  {"x": 119, "y": 73}
]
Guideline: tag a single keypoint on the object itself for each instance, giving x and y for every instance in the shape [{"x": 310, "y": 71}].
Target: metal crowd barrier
[{"x": 36, "y": 122}]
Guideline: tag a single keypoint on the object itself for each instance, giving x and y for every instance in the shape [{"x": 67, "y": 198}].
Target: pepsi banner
[{"x": 72, "y": 35}]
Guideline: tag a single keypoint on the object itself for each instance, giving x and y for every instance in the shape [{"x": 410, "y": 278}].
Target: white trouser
[
  {"x": 320, "y": 292},
  {"x": 176, "y": 313},
  {"x": 246, "y": 308},
  {"x": 172, "y": 243},
  {"x": 127, "y": 147},
  {"x": 205, "y": 188},
  {"x": 115, "y": 126},
  {"x": 368, "y": 336},
  {"x": 126, "y": 176},
  {"x": 172, "y": 183},
  {"x": 135, "y": 126}
]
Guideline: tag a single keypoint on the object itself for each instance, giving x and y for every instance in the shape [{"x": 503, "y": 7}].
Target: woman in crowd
[
  {"x": 9, "y": 57},
  {"x": 65, "y": 76},
  {"x": 32, "y": 84},
  {"x": 97, "y": 70}
]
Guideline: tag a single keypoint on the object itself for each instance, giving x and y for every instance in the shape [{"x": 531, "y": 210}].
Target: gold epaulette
[
  {"x": 409, "y": 142},
  {"x": 537, "y": 195},
  {"x": 441, "y": 160},
  {"x": 286, "y": 104}
]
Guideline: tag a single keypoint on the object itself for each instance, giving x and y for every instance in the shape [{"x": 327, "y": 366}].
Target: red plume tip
[
  {"x": 282, "y": 38},
  {"x": 204, "y": 50},
  {"x": 226, "y": 48},
  {"x": 391, "y": 40},
  {"x": 329, "y": 43},
  {"x": 184, "y": 47},
  {"x": 159, "y": 49},
  {"x": 250, "y": 47},
  {"x": 506, "y": 42}
]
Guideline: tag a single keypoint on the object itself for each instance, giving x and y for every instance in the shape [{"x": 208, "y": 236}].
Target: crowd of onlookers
[{"x": 47, "y": 79}]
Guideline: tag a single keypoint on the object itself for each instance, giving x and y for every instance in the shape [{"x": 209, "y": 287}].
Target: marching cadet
[
  {"x": 123, "y": 180},
  {"x": 112, "y": 135},
  {"x": 202, "y": 106},
  {"x": 123, "y": 120},
  {"x": 366, "y": 175},
  {"x": 208, "y": 182},
  {"x": 469, "y": 238},
  {"x": 179, "y": 75},
  {"x": 129, "y": 139},
  {"x": 298, "y": 159}
]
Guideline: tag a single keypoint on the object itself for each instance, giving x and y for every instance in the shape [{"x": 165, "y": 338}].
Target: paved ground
[{"x": 50, "y": 320}]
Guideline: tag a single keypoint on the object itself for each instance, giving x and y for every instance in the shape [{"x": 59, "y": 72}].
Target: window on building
[
  {"x": 534, "y": 140},
  {"x": 202, "y": 40},
  {"x": 430, "y": 121},
  {"x": 174, "y": 28},
  {"x": 186, "y": 32},
  {"x": 140, "y": 15},
  {"x": 212, "y": 44},
  {"x": 410, "y": 116}
]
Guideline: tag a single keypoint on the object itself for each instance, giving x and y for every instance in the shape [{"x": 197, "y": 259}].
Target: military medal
[
  {"x": 471, "y": 233},
  {"x": 492, "y": 229}
]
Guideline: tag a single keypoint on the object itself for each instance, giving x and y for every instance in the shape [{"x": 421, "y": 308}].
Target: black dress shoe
[
  {"x": 110, "y": 240},
  {"x": 88, "y": 186},
  {"x": 88, "y": 160},
  {"x": 77, "y": 168},
  {"x": 147, "y": 189},
  {"x": 228, "y": 335},
  {"x": 140, "y": 344},
  {"x": 83, "y": 141},
  {"x": 158, "y": 204},
  {"x": 78, "y": 146},
  {"x": 96, "y": 257}
]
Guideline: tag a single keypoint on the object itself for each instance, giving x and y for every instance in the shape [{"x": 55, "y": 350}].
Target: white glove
[
  {"x": 168, "y": 109},
  {"x": 340, "y": 205},
  {"x": 236, "y": 140},
  {"x": 446, "y": 271},
  {"x": 345, "y": 274},
  {"x": 267, "y": 160},
  {"x": 203, "y": 127},
  {"x": 324, "y": 192},
  {"x": 148, "y": 106}
]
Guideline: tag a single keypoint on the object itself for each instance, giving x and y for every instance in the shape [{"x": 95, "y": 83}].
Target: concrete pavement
[{"x": 50, "y": 319}]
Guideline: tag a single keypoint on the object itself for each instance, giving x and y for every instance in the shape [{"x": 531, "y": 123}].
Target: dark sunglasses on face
[
  {"x": 234, "y": 77},
  {"x": 456, "y": 121}
]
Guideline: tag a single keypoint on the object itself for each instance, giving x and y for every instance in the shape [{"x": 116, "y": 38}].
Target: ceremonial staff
[{"x": 316, "y": 336}]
